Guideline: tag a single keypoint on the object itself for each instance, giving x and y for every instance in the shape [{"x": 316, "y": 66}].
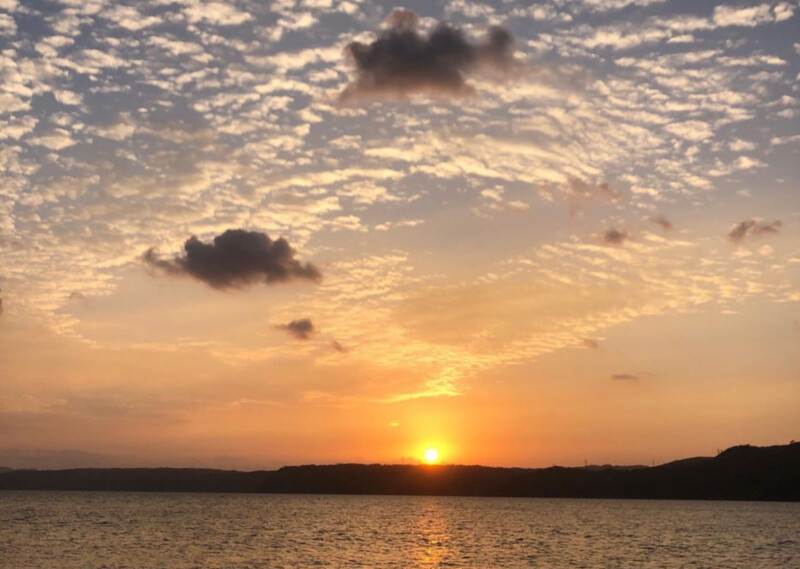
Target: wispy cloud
[
  {"x": 664, "y": 223},
  {"x": 752, "y": 228},
  {"x": 624, "y": 377}
]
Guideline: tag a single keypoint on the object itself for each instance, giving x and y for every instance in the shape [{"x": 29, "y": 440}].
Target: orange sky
[{"x": 586, "y": 247}]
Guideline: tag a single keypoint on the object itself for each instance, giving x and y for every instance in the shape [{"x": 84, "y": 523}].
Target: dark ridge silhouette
[{"x": 739, "y": 473}]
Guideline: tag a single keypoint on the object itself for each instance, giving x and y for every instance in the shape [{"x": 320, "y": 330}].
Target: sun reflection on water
[{"x": 432, "y": 537}]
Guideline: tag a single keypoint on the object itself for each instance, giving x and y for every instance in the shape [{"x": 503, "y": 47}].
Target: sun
[{"x": 431, "y": 456}]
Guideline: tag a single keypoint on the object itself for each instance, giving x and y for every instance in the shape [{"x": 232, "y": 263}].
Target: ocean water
[{"x": 87, "y": 530}]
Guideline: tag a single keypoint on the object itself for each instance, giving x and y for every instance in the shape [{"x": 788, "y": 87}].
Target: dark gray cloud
[
  {"x": 589, "y": 343},
  {"x": 338, "y": 347},
  {"x": 301, "y": 329},
  {"x": 752, "y": 228},
  {"x": 624, "y": 376},
  {"x": 403, "y": 61},
  {"x": 662, "y": 222},
  {"x": 615, "y": 237},
  {"x": 236, "y": 258}
]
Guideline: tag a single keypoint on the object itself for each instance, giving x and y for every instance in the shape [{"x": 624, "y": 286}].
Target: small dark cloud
[
  {"x": 301, "y": 329},
  {"x": 581, "y": 192},
  {"x": 579, "y": 188},
  {"x": 403, "y": 61},
  {"x": 662, "y": 222},
  {"x": 752, "y": 228},
  {"x": 338, "y": 347},
  {"x": 615, "y": 237},
  {"x": 589, "y": 343},
  {"x": 236, "y": 258},
  {"x": 76, "y": 296},
  {"x": 624, "y": 377}
]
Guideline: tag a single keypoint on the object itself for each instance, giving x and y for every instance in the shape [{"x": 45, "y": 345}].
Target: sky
[{"x": 245, "y": 234}]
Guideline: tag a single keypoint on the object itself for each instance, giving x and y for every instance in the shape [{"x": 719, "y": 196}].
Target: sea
[{"x": 94, "y": 530}]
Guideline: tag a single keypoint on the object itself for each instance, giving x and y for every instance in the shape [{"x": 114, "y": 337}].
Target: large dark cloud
[
  {"x": 236, "y": 258},
  {"x": 403, "y": 61},
  {"x": 615, "y": 237},
  {"x": 301, "y": 329},
  {"x": 753, "y": 228}
]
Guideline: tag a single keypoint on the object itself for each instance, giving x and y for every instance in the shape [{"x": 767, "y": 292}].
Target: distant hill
[{"x": 739, "y": 473}]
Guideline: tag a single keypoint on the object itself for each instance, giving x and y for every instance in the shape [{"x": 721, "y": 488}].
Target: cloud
[
  {"x": 216, "y": 13},
  {"x": 1, "y": 306},
  {"x": 402, "y": 18},
  {"x": 589, "y": 343},
  {"x": 751, "y": 15},
  {"x": 581, "y": 192},
  {"x": 580, "y": 188},
  {"x": 752, "y": 228},
  {"x": 8, "y": 26},
  {"x": 615, "y": 237},
  {"x": 236, "y": 258},
  {"x": 497, "y": 202},
  {"x": 338, "y": 347},
  {"x": 301, "y": 329},
  {"x": 662, "y": 222},
  {"x": 402, "y": 61},
  {"x": 624, "y": 376},
  {"x": 59, "y": 139}
]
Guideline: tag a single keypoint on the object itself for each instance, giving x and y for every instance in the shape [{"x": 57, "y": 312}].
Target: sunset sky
[{"x": 552, "y": 232}]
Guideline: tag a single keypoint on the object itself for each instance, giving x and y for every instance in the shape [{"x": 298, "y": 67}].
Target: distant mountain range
[{"x": 739, "y": 473}]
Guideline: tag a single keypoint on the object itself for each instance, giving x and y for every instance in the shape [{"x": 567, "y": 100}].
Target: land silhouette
[{"x": 739, "y": 473}]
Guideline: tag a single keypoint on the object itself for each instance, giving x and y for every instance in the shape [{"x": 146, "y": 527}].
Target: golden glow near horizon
[{"x": 431, "y": 456}]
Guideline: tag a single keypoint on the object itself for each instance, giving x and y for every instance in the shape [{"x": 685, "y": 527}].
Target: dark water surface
[{"x": 87, "y": 530}]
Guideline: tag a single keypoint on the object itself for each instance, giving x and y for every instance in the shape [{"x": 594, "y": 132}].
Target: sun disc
[{"x": 431, "y": 455}]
